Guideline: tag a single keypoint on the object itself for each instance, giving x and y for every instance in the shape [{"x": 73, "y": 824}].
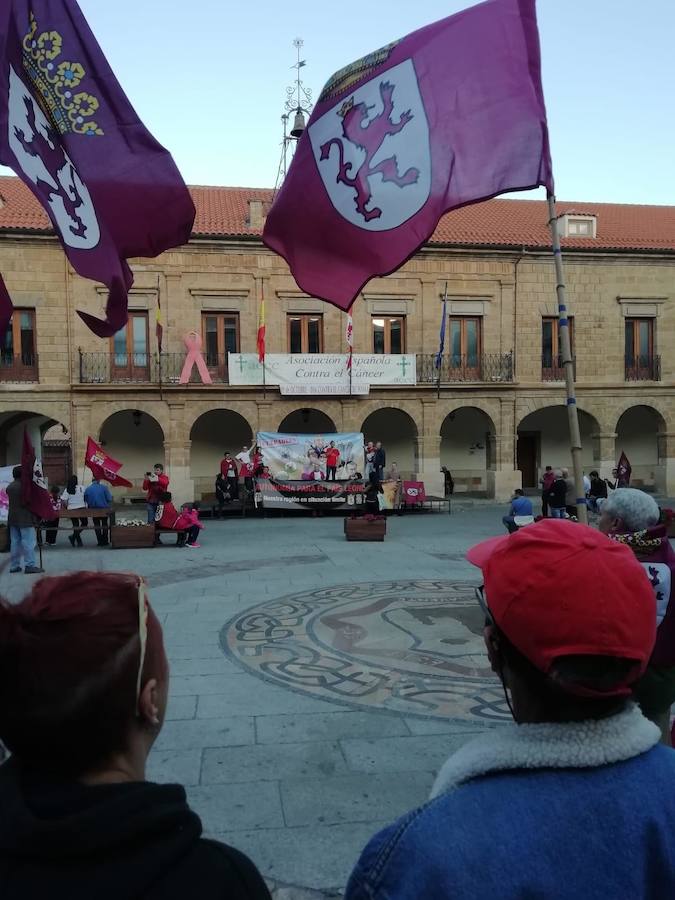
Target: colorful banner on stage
[
  {"x": 309, "y": 494},
  {"x": 305, "y": 457},
  {"x": 6, "y": 478}
]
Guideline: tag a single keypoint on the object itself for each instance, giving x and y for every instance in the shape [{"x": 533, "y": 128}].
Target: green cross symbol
[
  {"x": 241, "y": 363},
  {"x": 403, "y": 363}
]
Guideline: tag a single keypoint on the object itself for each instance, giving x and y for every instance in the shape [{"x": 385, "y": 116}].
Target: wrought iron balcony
[
  {"x": 488, "y": 367},
  {"x": 19, "y": 369},
  {"x": 145, "y": 368},
  {"x": 552, "y": 368},
  {"x": 643, "y": 368},
  {"x": 172, "y": 366}
]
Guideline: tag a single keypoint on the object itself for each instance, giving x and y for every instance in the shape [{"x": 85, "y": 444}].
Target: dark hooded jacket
[{"x": 67, "y": 841}]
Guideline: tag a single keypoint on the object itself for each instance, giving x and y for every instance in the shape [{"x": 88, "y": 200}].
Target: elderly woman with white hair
[{"x": 632, "y": 517}]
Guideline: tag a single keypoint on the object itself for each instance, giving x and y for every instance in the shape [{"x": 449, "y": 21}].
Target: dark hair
[
  {"x": 548, "y": 468},
  {"x": 519, "y": 491},
  {"x": 55, "y": 489},
  {"x": 373, "y": 478},
  {"x": 551, "y": 691},
  {"x": 16, "y": 472},
  {"x": 158, "y": 466},
  {"x": 166, "y": 497},
  {"x": 594, "y": 474},
  {"x": 72, "y": 484},
  {"x": 69, "y": 658}
]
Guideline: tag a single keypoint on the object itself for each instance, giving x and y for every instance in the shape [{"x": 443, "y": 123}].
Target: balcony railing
[
  {"x": 552, "y": 368},
  {"x": 489, "y": 367},
  {"x": 643, "y": 368},
  {"x": 145, "y": 368},
  {"x": 19, "y": 369}
]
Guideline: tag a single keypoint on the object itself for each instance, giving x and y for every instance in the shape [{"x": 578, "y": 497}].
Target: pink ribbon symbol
[{"x": 193, "y": 345}]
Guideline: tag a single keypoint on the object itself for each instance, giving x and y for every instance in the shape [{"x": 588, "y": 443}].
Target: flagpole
[
  {"x": 568, "y": 364},
  {"x": 159, "y": 345},
  {"x": 440, "y": 352}
]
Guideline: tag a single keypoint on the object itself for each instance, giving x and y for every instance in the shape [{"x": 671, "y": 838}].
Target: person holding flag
[
  {"x": 623, "y": 471},
  {"x": 21, "y": 522}
]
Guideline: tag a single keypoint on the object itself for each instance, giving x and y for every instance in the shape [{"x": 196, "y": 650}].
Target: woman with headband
[{"x": 84, "y": 682}]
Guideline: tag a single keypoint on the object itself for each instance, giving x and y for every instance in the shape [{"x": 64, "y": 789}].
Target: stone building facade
[{"x": 496, "y": 415}]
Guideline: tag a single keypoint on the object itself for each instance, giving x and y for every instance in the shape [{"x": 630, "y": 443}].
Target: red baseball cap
[{"x": 560, "y": 588}]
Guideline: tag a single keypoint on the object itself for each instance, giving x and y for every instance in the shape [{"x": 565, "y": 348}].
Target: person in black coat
[
  {"x": 556, "y": 497},
  {"x": 79, "y": 820},
  {"x": 379, "y": 460}
]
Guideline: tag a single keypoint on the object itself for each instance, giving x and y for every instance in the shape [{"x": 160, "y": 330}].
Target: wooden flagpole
[
  {"x": 444, "y": 323},
  {"x": 568, "y": 364},
  {"x": 160, "y": 325}
]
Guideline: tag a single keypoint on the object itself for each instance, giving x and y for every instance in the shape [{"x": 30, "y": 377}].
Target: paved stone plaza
[{"x": 316, "y": 685}]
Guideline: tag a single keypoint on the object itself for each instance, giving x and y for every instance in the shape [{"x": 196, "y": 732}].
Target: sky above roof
[{"x": 209, "y": 79}]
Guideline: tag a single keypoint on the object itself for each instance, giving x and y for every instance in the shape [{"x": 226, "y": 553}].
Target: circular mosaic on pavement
[{"x": 413, "y": 647}]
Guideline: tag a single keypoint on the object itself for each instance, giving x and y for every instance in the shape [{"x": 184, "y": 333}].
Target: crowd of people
[{"x": 586, "y": 669}]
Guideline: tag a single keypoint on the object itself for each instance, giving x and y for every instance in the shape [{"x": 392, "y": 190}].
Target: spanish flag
[
  {"x": 159, "y": 328},
  {"x": 261, "y": 332}
]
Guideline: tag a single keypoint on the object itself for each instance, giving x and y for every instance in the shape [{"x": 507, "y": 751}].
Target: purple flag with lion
[
  {"x": 447, "y": 116},
  {"x": 69, "y": 132}
]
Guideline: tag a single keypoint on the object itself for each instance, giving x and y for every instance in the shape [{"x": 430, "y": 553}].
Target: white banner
[{"x": 322, "y": 373}]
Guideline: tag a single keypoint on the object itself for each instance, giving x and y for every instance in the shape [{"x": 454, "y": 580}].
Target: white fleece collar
[{"x": 550, "y": 746}]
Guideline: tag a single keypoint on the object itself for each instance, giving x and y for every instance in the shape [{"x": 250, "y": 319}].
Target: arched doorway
[
  {"x": 544, "y": 440},
  {"x": 467, "y": 449},
  {"x": 398, "y": 433},
  {"x": 214, "y": 433},
  {"x": 307, "y": 421},
  {"x": 637, "y": 435},
  {"x": 135, "y": 439}
]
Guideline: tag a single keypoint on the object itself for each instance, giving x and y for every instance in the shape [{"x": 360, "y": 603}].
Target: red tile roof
[{"x": 224, "y": 212}]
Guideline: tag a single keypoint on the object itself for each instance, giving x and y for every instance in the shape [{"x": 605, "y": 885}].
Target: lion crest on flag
[
  {"x": 372, "y": 151},
  {"x": 369, "y": 135}
]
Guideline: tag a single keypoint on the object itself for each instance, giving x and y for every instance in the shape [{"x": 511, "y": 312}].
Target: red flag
[
  {"x": 449, "y": 115},
  {"x": 70, "y": 133},
  {"x": 350, "y": 339},
  {"x": 261, "y": 332},
  {"x": 623, "y": 471},
  {"x": 414, "y": 492},
  {"x": 104, "y": 466},
  {"x": 34, "y": 495}
]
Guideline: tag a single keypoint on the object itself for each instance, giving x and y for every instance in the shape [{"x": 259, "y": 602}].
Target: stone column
[
  {"x": 504, "y": 478},
  {"x": 428, "y": 446},
  {"x": 80, "y": 430},
  {"x": 604, "y": 453},
  {"x": 177, "y": 446},
  {"x": 267, "y": 416},
  {"x": 350, "y": 415},
  {"x": 177, "y": 463},
  {"x": 665, "y": 471}
]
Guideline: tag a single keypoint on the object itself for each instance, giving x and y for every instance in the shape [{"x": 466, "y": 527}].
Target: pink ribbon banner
[{"x": 193, "y": 345}]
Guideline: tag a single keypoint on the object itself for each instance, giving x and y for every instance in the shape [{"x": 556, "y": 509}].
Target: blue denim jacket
[{"x": 587, "y": 833}]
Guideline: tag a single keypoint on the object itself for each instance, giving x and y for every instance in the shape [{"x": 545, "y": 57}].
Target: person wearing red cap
[
  {"x": 84, "y": 682},
  {"x": 575, "y": 800},
  {"x": 632, "y": 517}
]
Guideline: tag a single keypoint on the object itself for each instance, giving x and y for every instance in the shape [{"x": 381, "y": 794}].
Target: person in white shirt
[{"x": 73, "y": 498}]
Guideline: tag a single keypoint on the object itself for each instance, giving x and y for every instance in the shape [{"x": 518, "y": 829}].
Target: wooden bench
[{"x": 85, "y": 513}]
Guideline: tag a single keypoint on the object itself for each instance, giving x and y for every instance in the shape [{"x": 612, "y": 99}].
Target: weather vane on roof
[{"x": 299, "y": 104}]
